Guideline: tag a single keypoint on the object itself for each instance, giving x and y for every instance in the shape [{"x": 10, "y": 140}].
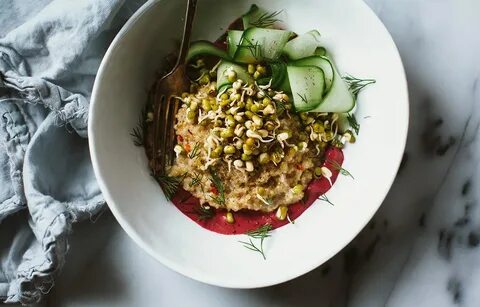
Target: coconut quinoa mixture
[{"x": 241, "y": 147}]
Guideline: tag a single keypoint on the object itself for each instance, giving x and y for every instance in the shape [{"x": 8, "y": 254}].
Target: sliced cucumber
[
  {"x": 263, "y": 81},
  {"x": 223, "y": 88},
  {"x": 252, "y": 14},
  {"x": 205, "y": 48},
  {"x": 338, "y": 99},
  {"x": 302, "y": 46},
  {"x": 285, "y": 85},
  {"x": 278, "y": 76},
  {"x": 233, "y": 40},
  {"x": 279, "y": 73},
  {"x": 343, "y": 122},
  {"x": 320, "y": 51},
  {"x": 223, "y": 69},
  {"x": 323, "y": 63},
  {"x": 307, "y": 83},
  {"x": 258, "y": 44},
  {"x": 258, "y": 17}
]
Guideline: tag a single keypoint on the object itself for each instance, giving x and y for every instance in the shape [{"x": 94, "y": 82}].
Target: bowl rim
[{"x": 131, "y": 232}]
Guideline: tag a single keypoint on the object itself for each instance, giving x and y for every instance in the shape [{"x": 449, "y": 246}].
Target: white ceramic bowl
[{"x": 360, "y": 45}]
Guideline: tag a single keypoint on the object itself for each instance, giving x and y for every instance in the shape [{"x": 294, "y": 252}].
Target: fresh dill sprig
[
  {"x": 169, "y": 184},
  {"x": 339, "y": 168},
  {"x": 187, "y": 197},
  {"x": 261, "y": 234},
  {"x": 195, "y": 151},
  {"x": 196, "y": 180},
  {"x": 352, "y": 121},
  {"x": 205, "y": 212},
  {"x": 254, "y": 48},
  {"x": 138, "y": 133},
  {"x": 356, "y": 85},
  {"x": 325, "y": 199},
  {"x": 266, "y": 20},
  {"x": 220, "y": 198},
  {"x": 304, "y": 98}
]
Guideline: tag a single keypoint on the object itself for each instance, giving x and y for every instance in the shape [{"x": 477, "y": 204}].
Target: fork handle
[{"x": 187, "y": 31}]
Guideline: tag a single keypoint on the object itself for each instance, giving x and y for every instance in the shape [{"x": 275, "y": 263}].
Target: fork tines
[{"x": 164, "y": 132}]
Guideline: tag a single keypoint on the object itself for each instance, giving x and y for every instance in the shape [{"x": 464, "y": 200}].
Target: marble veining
[{"x": 422, "y": 248}]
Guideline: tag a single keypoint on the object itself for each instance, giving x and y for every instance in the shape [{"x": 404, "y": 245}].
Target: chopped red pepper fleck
[
  {"x": 179, "y": 138},
  {"x": 214, "y": 190},
  {"x": 188, "y": 148}
]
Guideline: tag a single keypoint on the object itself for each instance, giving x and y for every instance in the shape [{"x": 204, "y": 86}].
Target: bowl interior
[{"x": 360, "y": 46}]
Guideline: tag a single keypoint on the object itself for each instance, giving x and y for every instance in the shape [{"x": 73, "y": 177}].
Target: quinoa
[{"x": 242, "y": 188}]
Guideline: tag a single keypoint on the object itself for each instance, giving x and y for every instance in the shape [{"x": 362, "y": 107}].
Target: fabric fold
[{"x": 46, "y": 177}]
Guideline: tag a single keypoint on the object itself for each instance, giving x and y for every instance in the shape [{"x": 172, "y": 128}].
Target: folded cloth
[{"x": 49, "y": 53}]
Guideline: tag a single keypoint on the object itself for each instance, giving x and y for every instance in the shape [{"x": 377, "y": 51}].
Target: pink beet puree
[{"x": 246, "y": 220}]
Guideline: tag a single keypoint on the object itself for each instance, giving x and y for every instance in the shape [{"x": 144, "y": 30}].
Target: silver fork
[{"x": 166, "y": 105}]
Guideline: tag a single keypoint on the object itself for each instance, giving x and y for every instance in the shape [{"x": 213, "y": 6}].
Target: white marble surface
[{"x": 421, "y": 249}]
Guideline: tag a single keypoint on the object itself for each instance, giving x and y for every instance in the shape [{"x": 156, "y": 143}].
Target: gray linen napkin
[{"x": 49, "y": 53}]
